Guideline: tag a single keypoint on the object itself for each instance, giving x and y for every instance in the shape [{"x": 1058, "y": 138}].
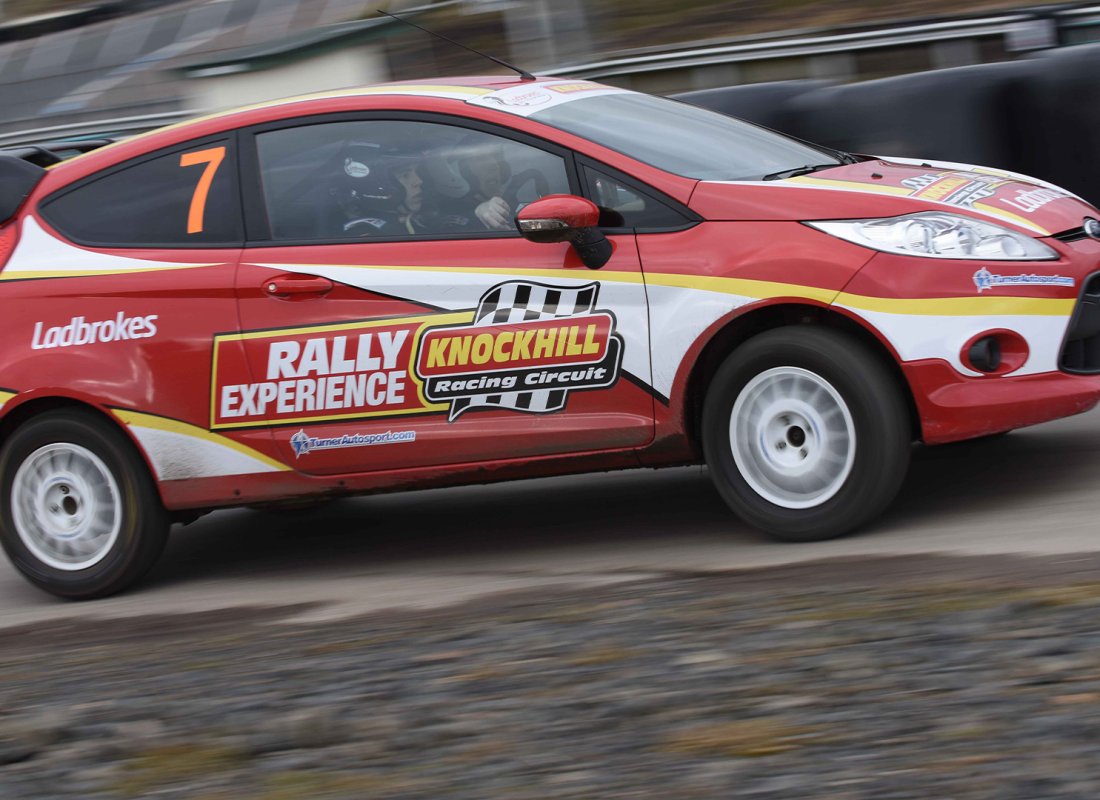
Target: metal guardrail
[
  {"x": 787, "y": 47},
  {"x": 811, "y": 43},
  {"x": 117, "y": 125}
]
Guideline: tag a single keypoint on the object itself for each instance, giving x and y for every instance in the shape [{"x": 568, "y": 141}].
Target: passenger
[{"x": 378, "y": 192}]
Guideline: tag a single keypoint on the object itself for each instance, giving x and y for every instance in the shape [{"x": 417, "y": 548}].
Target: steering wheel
[{"x": 510, "y": 192}]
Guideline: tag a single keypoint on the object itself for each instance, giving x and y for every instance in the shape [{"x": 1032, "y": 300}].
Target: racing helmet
[{"x": 366, "y": 181}]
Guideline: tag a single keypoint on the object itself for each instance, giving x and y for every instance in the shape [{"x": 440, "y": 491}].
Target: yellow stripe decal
[
  {"x": 985, "y": 208},
  {"x": 436, "y": 319},
  {"x": 136, "y": 418},
  {"x": 960, "y": 306},
  {"x": 5, "y": 397},
  {"x": 899, "y": 191},
  {"x": 559, "y": 272},
  {"x": 758, "y": 290},
  {"x": 739, "y": 286},
  {"x": 829, "y": 183},
  {"x": 763, "y": 290},
  {"x": 21, "y": 275},
  {"x": 357, "y": 415}
]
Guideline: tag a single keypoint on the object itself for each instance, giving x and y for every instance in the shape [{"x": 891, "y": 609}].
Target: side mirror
[{"x": 566, "y": 218}]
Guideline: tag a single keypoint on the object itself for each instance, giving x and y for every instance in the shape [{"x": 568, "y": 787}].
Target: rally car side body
[{"x": 218, "y": 381}]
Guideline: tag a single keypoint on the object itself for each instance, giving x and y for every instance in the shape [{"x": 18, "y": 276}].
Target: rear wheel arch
[
  {"x": 744, "y": 326},
  {"x": 36, "y": 406},
  {"x": 81, "y": 515}
]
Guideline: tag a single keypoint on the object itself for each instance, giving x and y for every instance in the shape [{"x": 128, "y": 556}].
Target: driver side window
[{"x": 398, "y": 179}]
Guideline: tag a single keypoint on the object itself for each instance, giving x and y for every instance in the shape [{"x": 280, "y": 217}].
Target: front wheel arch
[
  {"x": 747, "y": 325},
  {"x": 805, "y": 434}
]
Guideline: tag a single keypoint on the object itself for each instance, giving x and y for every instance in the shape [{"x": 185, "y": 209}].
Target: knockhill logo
[
  {"x": 527, "y": 348},
  {"x": 984, "y": 279}
]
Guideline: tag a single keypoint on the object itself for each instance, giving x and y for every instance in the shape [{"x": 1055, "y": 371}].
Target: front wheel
[
  {"x": 80, "y": 516},
  {"x": 805, "y": 432}
]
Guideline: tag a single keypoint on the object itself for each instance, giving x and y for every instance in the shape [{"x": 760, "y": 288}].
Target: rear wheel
[
  {"x": 805, "y": 432},
  {"x": 80, "y": 517}
]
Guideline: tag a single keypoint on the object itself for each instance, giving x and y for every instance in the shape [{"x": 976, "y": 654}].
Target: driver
[
  {"x": 468, "y": 186},
  {"x": 378, "y": 191},
  {"x": 486, "y": 171}
]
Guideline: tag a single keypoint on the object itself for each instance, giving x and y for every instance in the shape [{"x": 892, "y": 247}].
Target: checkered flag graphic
[{"x": 527, "y": 302}]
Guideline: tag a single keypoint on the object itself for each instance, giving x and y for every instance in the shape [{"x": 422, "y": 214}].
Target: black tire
[
  {"x": 878, "y": 419},
  {"x": 135, "y": 526}
]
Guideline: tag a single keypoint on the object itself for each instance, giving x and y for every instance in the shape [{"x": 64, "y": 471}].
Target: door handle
[{"x": 285, "y": 285}]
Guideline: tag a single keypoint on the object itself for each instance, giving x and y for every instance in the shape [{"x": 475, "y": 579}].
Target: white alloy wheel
[
  {"x": 792, "y": 437},
  {"x": 66, "y": 506},
  {"x": 806, "y": 432}
]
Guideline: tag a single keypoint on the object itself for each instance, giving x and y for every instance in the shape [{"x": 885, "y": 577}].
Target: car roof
[
  {"x": 458, "y": 89},
  {"x": 465, "y": 96}
]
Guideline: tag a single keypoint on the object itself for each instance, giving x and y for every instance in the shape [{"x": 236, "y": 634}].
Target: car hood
[{"x": 884, "y": 187}]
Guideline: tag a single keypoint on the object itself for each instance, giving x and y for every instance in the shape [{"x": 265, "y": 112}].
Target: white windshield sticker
[{"x": 531, "y": 98}]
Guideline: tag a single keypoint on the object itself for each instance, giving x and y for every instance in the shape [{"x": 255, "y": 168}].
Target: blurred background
[{"x": 999, "y": 83}]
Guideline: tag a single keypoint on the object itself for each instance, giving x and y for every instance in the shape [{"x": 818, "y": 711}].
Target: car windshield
[{"x": 681, "y": 138}]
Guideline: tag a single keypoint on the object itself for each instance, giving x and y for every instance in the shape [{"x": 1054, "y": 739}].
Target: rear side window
[{"x": 187, "y": 197}]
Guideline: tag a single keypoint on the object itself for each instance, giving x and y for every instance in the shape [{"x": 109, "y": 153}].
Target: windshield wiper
[{"x": 795, "y": 171}]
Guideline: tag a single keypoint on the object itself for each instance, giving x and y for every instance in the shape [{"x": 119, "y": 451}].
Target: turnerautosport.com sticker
[{"x": 525, "y": 348}]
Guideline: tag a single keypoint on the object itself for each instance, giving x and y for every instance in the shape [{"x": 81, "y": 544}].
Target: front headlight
[{"x": 935, "y": 235}]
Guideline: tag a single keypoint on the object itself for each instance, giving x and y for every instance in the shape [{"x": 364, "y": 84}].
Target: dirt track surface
[
  {"x": 904, "y": 678},
  {"x": 1034, "y": 491}
]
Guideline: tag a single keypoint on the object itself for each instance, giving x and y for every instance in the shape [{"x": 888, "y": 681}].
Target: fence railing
[{"x": 115, "y": 125}]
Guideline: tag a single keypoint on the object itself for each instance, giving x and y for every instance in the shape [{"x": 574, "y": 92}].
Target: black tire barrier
[
  {"x": 965, "y": 114},
  {"x": 766, "y": 104},
  {"x": 1038, "y": 115},
  {"x": 1061, "y": 124}
]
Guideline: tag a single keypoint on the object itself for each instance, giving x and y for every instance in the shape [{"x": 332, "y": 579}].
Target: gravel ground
[{"x": 924, "y": 678}]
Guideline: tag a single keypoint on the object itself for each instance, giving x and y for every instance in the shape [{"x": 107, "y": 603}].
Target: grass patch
[
  {"x": 170, "y": 765},
  {"x": 748, "y": 738},
  {"x": 300, "y": 784}
]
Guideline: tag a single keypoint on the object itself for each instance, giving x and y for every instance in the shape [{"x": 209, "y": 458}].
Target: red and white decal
[
  {"x": 323, "y": 372},
  {"x": 525, "y": 348},
  {"x": 528, "y": 347}
]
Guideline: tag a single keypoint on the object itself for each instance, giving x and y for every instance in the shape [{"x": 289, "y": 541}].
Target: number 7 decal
[{"x": 213, "y": 159}]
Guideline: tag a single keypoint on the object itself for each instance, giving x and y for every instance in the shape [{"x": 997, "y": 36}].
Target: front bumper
[{"x": 953, "y": 407}]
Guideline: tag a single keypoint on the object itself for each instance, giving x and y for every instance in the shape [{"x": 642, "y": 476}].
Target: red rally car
[{"x": 471, "y": 280}]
